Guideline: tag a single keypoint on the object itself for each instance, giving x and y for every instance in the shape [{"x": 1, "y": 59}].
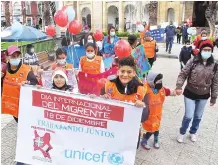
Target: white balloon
[
  {"x": 189, "y": 30},
  {"x": 140, "y": 28},
  {"x": 6, "y": 33}
]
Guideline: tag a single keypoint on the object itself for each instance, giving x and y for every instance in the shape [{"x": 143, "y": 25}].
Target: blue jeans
[
  {"x": 193, "y": 109},
  {"x": 19, "y": 163},
  {"x": 169, "y": 43}
]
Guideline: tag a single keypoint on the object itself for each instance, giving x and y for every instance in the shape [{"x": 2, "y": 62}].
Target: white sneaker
[
  {"x": 180, "y": 138},
  {"x": 193, "y": 137}
]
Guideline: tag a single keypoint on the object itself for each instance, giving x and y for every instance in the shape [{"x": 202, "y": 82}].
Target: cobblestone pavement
[{"x": 203, "y": 152}]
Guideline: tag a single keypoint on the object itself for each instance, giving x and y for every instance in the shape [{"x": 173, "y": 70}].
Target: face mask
[
  {"x": 90, "y": 55},
  {"x": 15, "y": 62},
  {"x": 90, "y": 41},
  {"x": 187, "y": 46},
  {"x": 158, "y": 86},
  {"x": 205, "y": 55},
  {"x": 61, "y": 62},
  {"x": 32, "y": 50},
  {"x": 203, "y": 38},
  {"x": 112, "y": 33}
]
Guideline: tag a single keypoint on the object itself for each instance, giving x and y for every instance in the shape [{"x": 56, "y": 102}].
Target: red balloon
[
  {"x": 122, "y": 49},
  {"x": 50, "y": 30},
  {"x": 75, "y": 27},
  {"x": 61, "y": 18},
  {"x": 137, "y": 22},
  {"x": 98, "y": 35}
]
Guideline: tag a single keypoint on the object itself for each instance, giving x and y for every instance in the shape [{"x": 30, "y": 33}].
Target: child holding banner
[
  {"x": 91, "y": 63},
  {"x": 61, "y": 56},
  {"x": 154, "y": 100},
  {"x": 60, "y": 81},
  {"x": 126, "y": 87}
]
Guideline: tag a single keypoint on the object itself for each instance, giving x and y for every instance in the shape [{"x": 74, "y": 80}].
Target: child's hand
[
  {"x": 92, "y": 96},
  {"x": 139, "y": 104},
  {"x": 106, "y": 96},
  {"x": 178, "y": 91},
  {"x": 173, "y": 92},
  {"x": 38, "y": 86}
]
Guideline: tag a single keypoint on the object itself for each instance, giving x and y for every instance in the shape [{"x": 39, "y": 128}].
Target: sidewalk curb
[{"x": 167, "y": 56}]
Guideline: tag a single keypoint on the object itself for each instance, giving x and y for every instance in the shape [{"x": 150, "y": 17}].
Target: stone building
[{"x": 101, "y": 14}]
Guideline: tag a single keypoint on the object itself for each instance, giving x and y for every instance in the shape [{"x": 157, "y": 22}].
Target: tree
[
  {"x": 152, "y": 9},
  {"x": 210, "y": 14},
  {"x": 47, "y": 15},
  {"x": 7, "y": 14}
]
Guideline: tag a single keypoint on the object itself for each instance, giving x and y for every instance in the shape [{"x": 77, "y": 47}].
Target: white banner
[{"x": 57, "y": 128}]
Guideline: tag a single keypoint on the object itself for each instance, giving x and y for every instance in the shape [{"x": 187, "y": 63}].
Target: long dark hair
[{"x": 109, "y": 37}]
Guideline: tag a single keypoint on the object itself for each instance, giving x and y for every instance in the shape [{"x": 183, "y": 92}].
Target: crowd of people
[{"x": 197, "y": 67}]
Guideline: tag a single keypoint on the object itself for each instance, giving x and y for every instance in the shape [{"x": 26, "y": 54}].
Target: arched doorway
[
  {"x": 129, "y": 15},
  {"x": 113, "y": 17},
  {"x": 86, "y": 17},
  {"x": 171, "y": 15}
]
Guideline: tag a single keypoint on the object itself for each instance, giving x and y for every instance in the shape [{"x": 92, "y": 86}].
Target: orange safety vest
[
  {"x": 91, "y": 67},
  {"x": 67, "y": 66},
  {"x": 111, "y": 89},
  {"x": 149, "y": 48},
  {"x": 155, "y": 103},
  {"x": 11, "y": 90}
]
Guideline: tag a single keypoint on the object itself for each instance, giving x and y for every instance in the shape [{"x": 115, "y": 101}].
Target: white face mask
[
  {"x": 15, "y": 62},
  {"x": 205, "y": 55},
  {"x": 112, "y": 34},
  {"x": 61, "y": 62},
  {"x": 203, "y": 38},
  {"x": 32, "y": 50},
  {"x": 187, "y": 46},
  {"x": 90, "y": 41},
  {"x": 90, "y": 55}
]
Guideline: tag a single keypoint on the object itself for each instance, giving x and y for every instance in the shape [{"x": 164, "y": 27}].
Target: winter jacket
[
  {"x": 185, "y": 54},
  {"x": 201, "y": 79},
  {"x": 170, "y": 31},
  {"x": 184, "y": 30}
]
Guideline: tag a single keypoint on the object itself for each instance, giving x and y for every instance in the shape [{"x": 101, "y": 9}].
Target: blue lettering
[
  {"x": 65, "y": 154},
  {"x": 86, "y": 156},
  {"x": 74, "y": 154},
  {"x": 96, "y": 157}
]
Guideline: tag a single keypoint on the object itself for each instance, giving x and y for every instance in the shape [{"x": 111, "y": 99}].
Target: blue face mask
[
  {"x": 205, "y": 55},
  {"x": 15, "y": 62}
]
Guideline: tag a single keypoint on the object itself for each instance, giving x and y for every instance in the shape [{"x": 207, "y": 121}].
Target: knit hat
[
  {"x": 60, "y": 72},
  {"x": 148, "y": 34},
  {"x": 206, "y": 43},
  {"x": 12, "y": 49}
]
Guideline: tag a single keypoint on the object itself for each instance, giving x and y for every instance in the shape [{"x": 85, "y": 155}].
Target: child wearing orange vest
[
  {"x": 126, "y": 87},
  {"x": 91, "y": 63},
  {"x": 150, "y": 48},
  {"x": 61, "y": 56},
  {"x": 154, "y": 100}
]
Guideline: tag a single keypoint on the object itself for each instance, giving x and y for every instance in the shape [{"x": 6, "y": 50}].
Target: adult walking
[
  {"x": 184, "y": 33},
  {"x": 178, "y": 34},
  {"x": 170, "y": 33},
  {"x": 202, "y": 83}
]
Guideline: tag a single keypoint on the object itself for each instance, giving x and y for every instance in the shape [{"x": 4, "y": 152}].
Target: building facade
[{"x": 123, "y": 15}]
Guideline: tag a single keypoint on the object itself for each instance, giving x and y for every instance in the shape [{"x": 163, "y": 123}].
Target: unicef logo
[{"x": 115, "y": 158}]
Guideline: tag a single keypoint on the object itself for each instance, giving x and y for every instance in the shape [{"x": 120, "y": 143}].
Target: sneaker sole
[{"x": 145, "y": 148}]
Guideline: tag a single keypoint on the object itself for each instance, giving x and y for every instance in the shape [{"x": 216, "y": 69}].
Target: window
[
  {"x": 17, "y": 8},
  {"x": 28, "y": 8}
]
